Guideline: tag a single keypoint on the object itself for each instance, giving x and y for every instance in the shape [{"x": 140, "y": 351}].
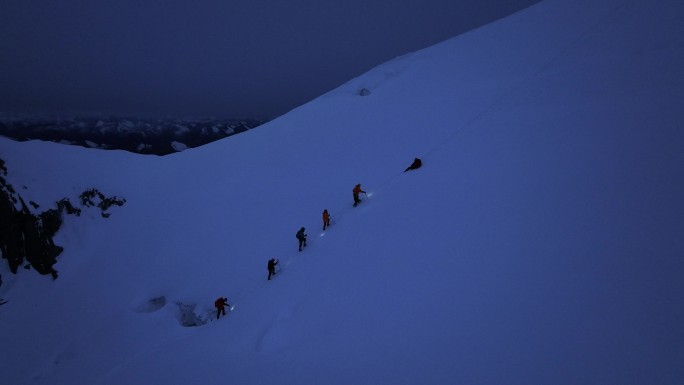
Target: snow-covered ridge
[
  {"x": 540, "y": 242},
  {"x": 140, "y": 135}
]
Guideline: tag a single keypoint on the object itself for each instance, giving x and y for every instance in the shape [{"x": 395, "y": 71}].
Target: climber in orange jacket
[{"x": 326, "y": 219}]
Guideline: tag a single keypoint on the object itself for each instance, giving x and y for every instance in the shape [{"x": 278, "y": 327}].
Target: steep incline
[{"x": 540, "y": 242}]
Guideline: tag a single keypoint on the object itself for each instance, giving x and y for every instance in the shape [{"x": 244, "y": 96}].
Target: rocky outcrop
[
  {"x": 10, "y": 232},
  {"x": 94, "y": 198},
  {"x": 28, "y": 237},
  {"x": 34, "y": 241}
]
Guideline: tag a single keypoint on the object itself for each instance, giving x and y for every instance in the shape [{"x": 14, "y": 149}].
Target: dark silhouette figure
[
  {"x": 326, "y": 219},
  {"x": 416, "y": 164},
  {"x": 301, "y": 237},
  {"x": 356, "y": 191},
  {"x": 271, "y": 267},
  {"x": 221, "y": 304}
]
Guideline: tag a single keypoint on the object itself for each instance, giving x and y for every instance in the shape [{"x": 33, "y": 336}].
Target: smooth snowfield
[{"x": 540, "y": 243}]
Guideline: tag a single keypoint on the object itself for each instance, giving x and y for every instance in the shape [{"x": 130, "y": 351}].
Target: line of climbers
[{"x": 222, "y": 302}]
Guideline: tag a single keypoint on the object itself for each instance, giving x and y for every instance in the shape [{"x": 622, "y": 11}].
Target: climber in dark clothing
[
  {"x": 356, "y": 191},
  {"x": 271, "y": 267},
  {"x": 302, "y": 238},
  {"x": 416, "y": 164},
  {"x": 220, "y": 304}
]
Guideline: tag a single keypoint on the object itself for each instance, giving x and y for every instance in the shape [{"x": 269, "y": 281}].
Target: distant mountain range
[{"x": 157, "y": 136}]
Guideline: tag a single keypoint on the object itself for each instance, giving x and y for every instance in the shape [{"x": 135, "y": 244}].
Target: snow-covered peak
[{"x": 143, "y": 135}]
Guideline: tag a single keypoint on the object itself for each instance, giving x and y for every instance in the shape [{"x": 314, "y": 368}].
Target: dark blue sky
[{"x": 210, "y": 57}]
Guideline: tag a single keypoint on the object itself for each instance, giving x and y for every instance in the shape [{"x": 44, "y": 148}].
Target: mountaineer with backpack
[
  {"x": 356, "y": 191},
  {"x": 220, "y": 304},
  {"x": 301, "y": 237},
  {"x": 326, "y": 219},
  {"x": 271, "y": 267}
]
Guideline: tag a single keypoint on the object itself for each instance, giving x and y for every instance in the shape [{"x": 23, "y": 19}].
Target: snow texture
[
  {"x": 178, "y": 146},
  {"x": 540, "y": 243}
]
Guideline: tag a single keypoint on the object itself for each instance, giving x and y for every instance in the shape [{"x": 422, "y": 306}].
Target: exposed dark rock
[
  {"x": 88, "y": 197},
  {"x": 51, "y": 220},
  {"x": 10, "y": 234},
  {"x": 91, "y": 196},
  {"x": 65, "y": 205},
  {"x": 25, "y": 236},
  {"x": 10, "y": 244},
  {"x": 38, "y": 247}
]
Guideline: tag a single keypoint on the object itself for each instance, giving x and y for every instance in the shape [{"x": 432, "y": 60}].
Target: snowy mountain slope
[{"x": 540, "y": 242}]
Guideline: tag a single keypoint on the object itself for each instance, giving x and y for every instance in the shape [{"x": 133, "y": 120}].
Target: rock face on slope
[{"x": 28, "y": 237}]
